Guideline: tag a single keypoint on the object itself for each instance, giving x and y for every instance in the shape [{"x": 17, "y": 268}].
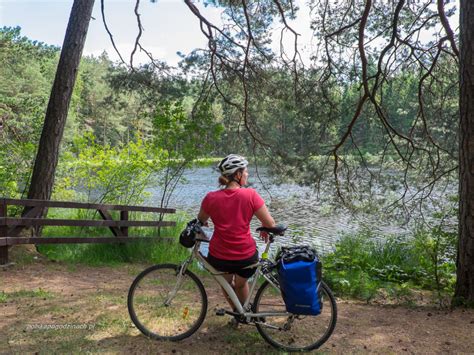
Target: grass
[
  {"x": 364, "y": 267},
  {"x": 168, "y": 250},
  {"x": 111, "y": 323},
  {"x": 3, "y": 297},
  {"x": 22, "y": 257},
  {"x": 361, "y": 266},
  {"x": 105, "y": 298},
  {"x": 38, "y": 293}
]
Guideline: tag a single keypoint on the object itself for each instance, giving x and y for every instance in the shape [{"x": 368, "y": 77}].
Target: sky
[{"x": 169, "y": 26}]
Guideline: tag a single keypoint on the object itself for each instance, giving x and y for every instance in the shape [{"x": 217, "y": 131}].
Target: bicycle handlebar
[
  {"x": 277, "y": 230},
  {"x": 273, "y": 231}
]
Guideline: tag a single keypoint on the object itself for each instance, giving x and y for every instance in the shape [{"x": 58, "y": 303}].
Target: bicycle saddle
[{"x": 277, "y": 230}]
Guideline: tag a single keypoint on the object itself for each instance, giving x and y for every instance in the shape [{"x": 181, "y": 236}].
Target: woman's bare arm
[
  {"x": 264, "y": 216},
  {"x": 203, "y": 217}
]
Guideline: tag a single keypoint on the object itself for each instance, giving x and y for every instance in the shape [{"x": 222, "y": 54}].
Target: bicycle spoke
[
  {"x": 294, "y": 332},
  {"x": 164, "y": 305}
]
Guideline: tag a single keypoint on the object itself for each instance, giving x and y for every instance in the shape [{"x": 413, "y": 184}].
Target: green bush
[
  {"x": 107, "y": 174},
  {"x": 362, "y": 265},
  {"x": 436, "y": 250}
]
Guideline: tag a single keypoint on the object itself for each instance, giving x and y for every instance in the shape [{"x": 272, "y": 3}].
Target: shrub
[{"x": 361, "y": 265}]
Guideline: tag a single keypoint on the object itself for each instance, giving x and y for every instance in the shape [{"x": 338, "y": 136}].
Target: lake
[{"x": 312, "y": 217}]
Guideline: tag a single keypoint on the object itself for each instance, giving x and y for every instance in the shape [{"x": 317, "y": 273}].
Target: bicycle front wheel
[
  {"x": 293, "y": 332},
  {"x": 166, "y": 305}
]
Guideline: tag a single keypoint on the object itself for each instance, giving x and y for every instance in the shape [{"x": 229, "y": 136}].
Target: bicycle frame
[{"x": 242, "y": 309}]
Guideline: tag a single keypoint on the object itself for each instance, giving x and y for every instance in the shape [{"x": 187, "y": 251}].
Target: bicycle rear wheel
[
  {"x": 165, "y": 306},
  {"x": 292, "y": 332}
]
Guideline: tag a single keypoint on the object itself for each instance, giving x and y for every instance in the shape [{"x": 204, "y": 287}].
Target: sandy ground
[{"x": 89, "y": 305}]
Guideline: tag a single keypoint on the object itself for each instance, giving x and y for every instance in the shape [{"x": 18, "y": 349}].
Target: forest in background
[{"x": 152, "y": 119}]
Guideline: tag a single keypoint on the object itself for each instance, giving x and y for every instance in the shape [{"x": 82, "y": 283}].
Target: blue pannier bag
[{"x": 299, "y": 273}]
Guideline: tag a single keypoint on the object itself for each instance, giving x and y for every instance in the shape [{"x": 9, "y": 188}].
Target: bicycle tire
[
  {"x": 148, "y": 311},
  {"x": 306, "y": 332}
]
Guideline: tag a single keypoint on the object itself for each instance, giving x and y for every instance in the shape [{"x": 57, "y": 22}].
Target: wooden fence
[{"x": 10, "y": 227}]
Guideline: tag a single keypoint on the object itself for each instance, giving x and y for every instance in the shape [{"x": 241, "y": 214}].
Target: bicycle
[{"x": 169, "y": 302}]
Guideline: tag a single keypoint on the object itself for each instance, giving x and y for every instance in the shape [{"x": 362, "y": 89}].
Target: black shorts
[{"x": 234, "y": 266}]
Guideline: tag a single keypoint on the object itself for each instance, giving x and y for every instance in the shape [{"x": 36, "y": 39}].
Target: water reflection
[{"x": 309, "y": 215}]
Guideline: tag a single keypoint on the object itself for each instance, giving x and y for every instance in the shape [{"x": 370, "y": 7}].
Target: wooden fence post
[
  {"x": 124, "y": 217},
  {"x": 3, "y": 233}
]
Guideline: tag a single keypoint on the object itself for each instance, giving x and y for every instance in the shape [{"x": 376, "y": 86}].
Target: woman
[{"x": 231, "y": 208}]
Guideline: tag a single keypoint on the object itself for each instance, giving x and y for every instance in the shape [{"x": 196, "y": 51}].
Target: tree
[
  {"x": 465, "y": 261},
  {"x": 25, "y": 79},
  {"x": 402, "y": 49},
  {"x": 42, "y": 179},
  {"x": 368, "y": 44}
]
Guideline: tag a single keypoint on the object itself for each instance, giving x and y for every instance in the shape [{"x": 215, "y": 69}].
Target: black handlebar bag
[
  {"x": 299, "y": 273},
  {"x": 187, "y": 238}
]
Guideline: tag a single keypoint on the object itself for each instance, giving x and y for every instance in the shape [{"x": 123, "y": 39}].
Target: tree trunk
[
  {"x": 42, "y": 179},
  {"x": 465, "y": 261}
]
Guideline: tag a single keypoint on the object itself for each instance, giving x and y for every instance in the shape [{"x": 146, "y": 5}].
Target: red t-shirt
[{"x": 231, "y": 211}]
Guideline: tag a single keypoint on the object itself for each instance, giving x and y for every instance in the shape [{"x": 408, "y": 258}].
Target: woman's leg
[
  {"x": 240, "y": 286},
  {"x": 230, "y": 279}
]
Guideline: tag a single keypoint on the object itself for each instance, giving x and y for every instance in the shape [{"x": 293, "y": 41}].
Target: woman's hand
[
  {"x": 264, "y": 236},
  {"x": 203, "y": 217},
  {"x": 267, "y": 221}
]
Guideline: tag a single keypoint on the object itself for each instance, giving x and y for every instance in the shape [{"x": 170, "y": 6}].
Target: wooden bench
[{"x": 10, "y": 227}]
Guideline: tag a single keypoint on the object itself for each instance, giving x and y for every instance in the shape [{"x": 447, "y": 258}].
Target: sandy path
[{"x": 95, "y": 298}]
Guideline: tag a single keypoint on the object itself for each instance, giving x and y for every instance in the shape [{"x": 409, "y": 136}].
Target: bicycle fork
[{"x": 179, "y": 282}]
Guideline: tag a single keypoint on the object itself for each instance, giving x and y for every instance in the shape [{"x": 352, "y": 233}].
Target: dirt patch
[{"x": 54, "y": 307}]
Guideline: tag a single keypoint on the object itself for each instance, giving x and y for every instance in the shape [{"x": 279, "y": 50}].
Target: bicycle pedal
[{"x": 220, "y": 312}]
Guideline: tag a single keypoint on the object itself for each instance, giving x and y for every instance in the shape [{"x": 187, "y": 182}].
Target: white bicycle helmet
[{"x": 231, "y": 163}]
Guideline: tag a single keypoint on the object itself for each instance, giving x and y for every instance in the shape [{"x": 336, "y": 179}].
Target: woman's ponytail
[
  {"x": 223, "y": 181},
  {"x": 226, "y": 180}
]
